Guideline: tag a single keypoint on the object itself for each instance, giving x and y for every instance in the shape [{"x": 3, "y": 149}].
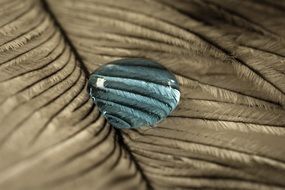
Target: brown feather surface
[{"x": 227, "y": 132}]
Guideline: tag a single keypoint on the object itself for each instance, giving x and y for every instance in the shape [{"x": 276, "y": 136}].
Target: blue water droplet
[{"x": 133, "y": 93}]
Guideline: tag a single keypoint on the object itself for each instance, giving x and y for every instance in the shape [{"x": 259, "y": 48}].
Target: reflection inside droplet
[{"x": 133, "y": 93}]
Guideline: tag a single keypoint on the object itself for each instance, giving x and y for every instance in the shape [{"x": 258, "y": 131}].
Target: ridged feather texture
[{"x": 226, "y": 133}]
